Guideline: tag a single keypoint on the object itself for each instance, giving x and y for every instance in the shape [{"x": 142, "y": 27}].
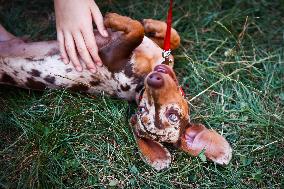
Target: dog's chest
[{"x": 122, "y": 84}]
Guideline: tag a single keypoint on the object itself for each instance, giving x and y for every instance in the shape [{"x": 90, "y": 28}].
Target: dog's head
[{"x": 163, "y": 116}]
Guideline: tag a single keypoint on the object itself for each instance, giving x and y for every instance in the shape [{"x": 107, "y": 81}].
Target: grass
[{"x": 231, "y": 66}]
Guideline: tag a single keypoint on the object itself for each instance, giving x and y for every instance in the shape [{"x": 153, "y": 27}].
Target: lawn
[{"x": 231, "y": 66}]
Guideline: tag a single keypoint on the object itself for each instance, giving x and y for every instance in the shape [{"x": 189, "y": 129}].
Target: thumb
[{"x": 98, "y": 18}]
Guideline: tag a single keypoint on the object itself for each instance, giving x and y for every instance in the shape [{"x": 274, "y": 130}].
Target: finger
[
  {"x": 60, "y": 39},
  {"x": 83, "y": 52},
  {"x": 5, "y": 35},
  {"x": 71, "y": 51},
  {"x": 98, "y": 18},
  {"x": 92, "y": 46}
]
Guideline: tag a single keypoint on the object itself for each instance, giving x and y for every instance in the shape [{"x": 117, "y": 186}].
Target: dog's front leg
[
  {"x": 156, "y": 30},
  {"x": 118, "y": 52}
]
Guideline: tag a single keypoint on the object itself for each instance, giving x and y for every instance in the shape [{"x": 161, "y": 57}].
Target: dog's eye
[
  {"x": 142, "y": 109},
  {"x": 173, "y": 117}
]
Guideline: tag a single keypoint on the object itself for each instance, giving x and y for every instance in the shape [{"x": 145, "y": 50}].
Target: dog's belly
[{"x": 50, "y": 72}]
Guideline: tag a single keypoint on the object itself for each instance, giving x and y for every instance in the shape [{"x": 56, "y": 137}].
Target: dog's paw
[
  {"x": 154, "y": 28},
  {"x": 115, "y": 21}
]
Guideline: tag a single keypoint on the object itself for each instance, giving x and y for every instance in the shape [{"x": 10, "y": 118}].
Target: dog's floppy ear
[
  {"x": 196, "y": 137},
  {"x": 153, "y": 153}
]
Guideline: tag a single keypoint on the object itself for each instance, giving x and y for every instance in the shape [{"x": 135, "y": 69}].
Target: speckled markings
[{"x": 48, "y": 71}]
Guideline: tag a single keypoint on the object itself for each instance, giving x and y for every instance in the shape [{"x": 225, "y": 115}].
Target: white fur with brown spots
[
  {"x": 164, "y": 113},
  {"x": 48, "y": 70}
]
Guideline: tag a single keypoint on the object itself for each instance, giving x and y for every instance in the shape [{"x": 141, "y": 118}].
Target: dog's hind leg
[
  {"x": 117, "y": 53},
  {"x": 156, "y": 30}
]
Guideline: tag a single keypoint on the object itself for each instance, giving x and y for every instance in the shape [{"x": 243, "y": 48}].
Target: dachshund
[{"x": 132, "y": 70}]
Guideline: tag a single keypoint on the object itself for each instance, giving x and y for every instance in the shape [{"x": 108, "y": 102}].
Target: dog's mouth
[{"x": 162, "y": 68}]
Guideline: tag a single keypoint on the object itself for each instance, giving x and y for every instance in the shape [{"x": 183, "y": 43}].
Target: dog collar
[
  {"x": 140, "y": 95},
  {"x": 181, "y": 91}
]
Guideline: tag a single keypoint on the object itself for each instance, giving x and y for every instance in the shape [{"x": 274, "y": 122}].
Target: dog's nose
[{"x": 155, "y": 80}]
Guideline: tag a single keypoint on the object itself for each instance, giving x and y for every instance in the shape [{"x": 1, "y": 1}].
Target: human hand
[{"x": 75, "y": 32}]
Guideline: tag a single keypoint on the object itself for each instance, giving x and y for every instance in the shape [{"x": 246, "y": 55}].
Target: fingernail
[
  {"x": 105, "y": 33},
  {"x": 79, "y": 68},
  {"x": 99, "y": 64},
  {"x": 93, "y": 70}
]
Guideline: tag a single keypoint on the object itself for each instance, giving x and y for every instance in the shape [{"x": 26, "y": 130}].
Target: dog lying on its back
[{"x": 132, "y": 70}]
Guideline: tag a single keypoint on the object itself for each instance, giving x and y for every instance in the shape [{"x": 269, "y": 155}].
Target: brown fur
[
  {"x": 197, "y": 137},
  {"x": 129, "y": 58},
  {"x": 116, "y": 55},
  {"x": 156, "y": 30}
]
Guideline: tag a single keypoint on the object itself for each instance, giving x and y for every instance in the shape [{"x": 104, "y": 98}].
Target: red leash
[{"x": 167, "y": 42}]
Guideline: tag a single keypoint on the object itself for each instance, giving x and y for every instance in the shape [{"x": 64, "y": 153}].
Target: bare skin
[
  {"x": 4, "y": 35},
  {"x": 7, "y": 39},
  {"x": 74, "y": 23},
  {"x": 160, "y": 117}
]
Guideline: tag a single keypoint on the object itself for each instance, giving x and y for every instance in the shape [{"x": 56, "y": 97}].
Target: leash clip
[{"x": 166, "y": 54}]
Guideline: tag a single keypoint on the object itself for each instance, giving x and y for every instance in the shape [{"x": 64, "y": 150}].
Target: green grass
[{"x": 231, "y": 66}]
